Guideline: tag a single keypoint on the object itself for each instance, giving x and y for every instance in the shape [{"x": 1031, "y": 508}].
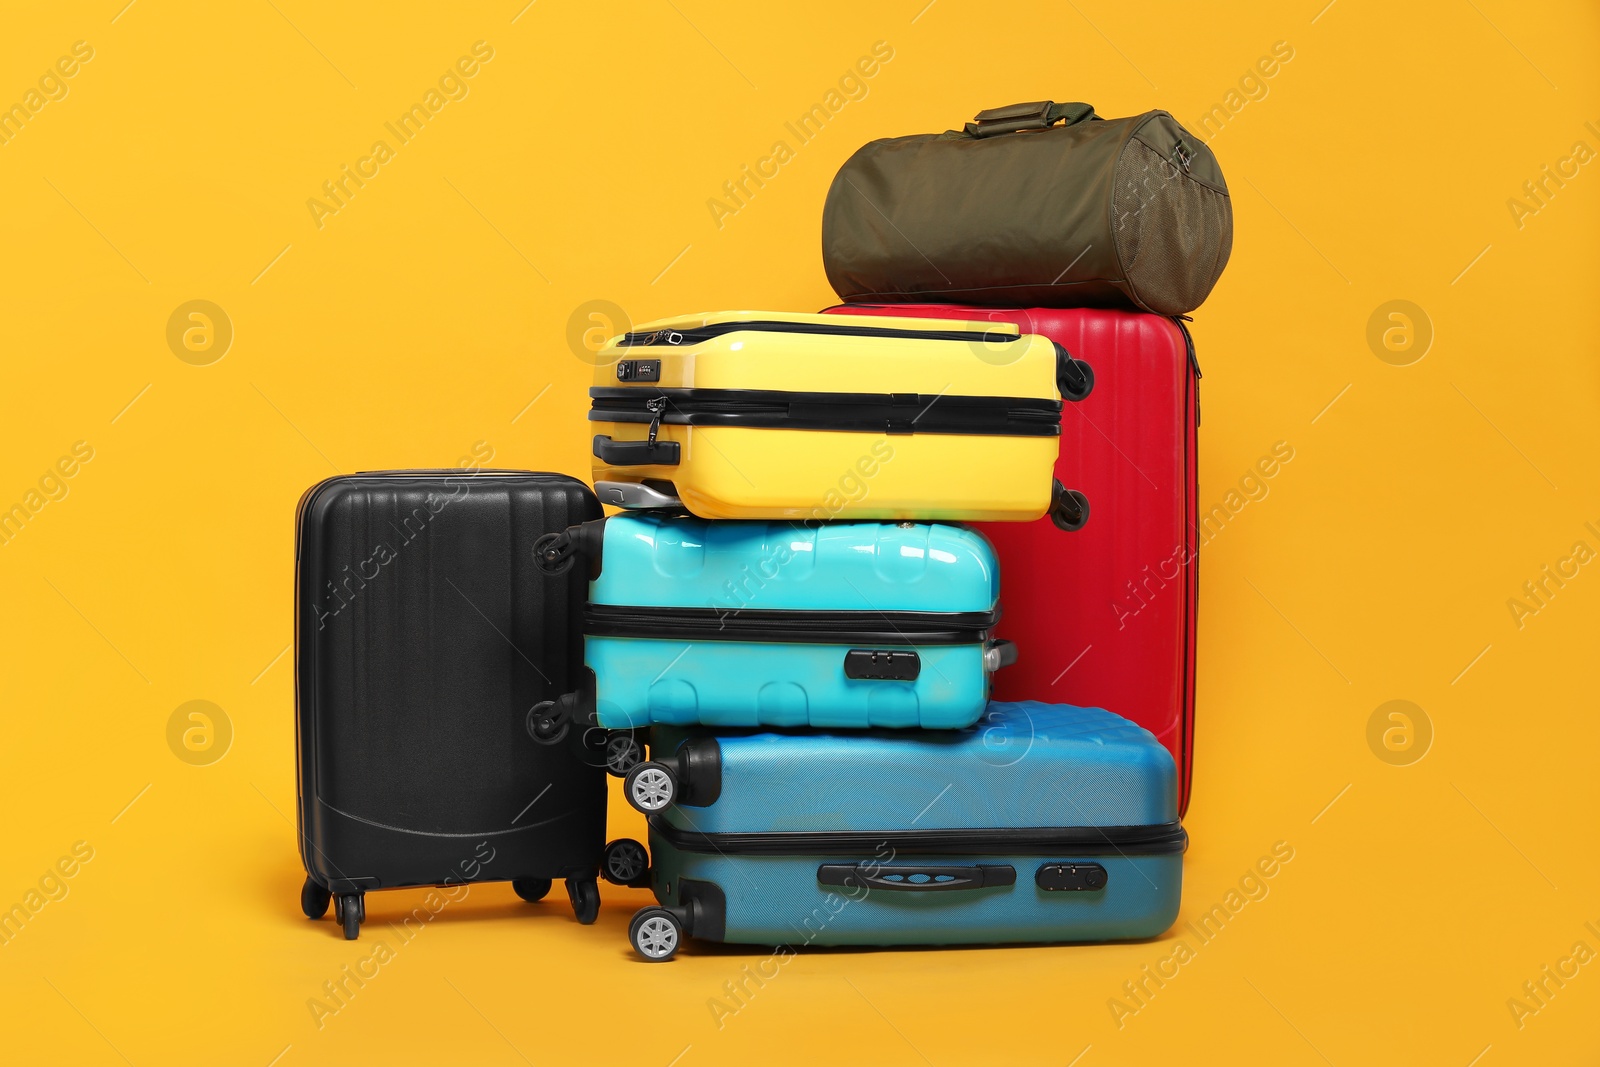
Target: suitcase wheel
[
  {"x": 584, "y": 893},
  {"x": 314, "y": 898},
  {"x": 1069, "y": 509},
  {"x": 532, "y": 890},
  {"x": 623, "y": 753},
  {"x": 546, "y": 723},
  {"x": 1074, "y": 378},
  {"x": 625, "y": 862},
  {"x": 655, "y": 933},
  {"x": 650, "y": 787},
  {"x": 554, "y": 553},
  {"x": 349, "y": 911}
]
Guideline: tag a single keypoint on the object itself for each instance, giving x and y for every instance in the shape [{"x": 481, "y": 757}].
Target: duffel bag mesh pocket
[{"x": 1173, "y": 234}]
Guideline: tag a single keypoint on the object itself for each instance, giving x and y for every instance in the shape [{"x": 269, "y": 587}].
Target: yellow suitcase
[{"x": 772, "y": 415}]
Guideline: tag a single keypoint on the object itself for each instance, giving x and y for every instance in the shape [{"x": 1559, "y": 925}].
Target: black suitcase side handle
[
  {"x": 636, "y": 453},
  {"x": 916, "y": 879}
]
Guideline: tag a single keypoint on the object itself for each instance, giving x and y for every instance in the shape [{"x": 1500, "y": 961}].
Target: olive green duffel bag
[{"x": 1017, "y": 210}]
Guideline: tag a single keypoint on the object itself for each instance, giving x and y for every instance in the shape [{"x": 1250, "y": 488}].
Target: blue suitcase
[
  {"x": 1041, "y": 823},
  {"x": 750, "y": 623}
]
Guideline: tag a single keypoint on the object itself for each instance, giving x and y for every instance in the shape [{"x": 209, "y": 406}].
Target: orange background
[{"x": 433, "y": 310}]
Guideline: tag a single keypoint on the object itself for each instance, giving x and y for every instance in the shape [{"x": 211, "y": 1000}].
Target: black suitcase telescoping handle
[{"x": 916, "y": 879}]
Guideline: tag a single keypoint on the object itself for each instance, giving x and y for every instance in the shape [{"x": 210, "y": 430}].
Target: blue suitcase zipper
[{"x": 1042, "y": 823}]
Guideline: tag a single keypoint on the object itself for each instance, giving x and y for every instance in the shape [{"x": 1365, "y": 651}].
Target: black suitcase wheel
[
  {"x": 546, "y": 723},
  {"x": 1069, "y": 509},
  {"x": 655, "y": 934},
  {"x": 1075, "y": 379},
  {"x": 532, "y": 890},
  {"x": 624, "y": 862},
  {"x": 584, "y": 893},
  {"x": 650, "y": 787},
  {"x": 553, "y": 552},
  {"x": 623, "y": 753},
  {"x": 314, "y": 898},
  {"x": 349, "y": 909}
]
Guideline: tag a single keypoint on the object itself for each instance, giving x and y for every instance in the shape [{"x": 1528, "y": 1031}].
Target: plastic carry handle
[
  {"x": 916, "y": 879},
  {"x": 1037, "y": 115},
  {"x": 635, "y": 453}
]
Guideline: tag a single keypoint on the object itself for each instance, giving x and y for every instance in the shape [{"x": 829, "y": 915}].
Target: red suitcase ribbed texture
[{"x": 1105, "y": 616}]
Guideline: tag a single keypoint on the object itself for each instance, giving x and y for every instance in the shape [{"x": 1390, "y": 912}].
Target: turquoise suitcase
[
  {"x": 1042, "y": 823},
  {"x": 785, "y": 624}
]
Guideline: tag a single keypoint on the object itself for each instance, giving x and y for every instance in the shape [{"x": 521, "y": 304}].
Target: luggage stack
[
  {"x": 1101, "y": 235},
  {"x": 789, "y": 641}
]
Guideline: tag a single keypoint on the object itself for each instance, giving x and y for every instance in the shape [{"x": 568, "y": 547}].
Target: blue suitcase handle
[{"x": 916, "y": 878}]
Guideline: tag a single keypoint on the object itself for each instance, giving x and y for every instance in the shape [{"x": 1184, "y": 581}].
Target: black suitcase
[{"x": 424, "y": 635}]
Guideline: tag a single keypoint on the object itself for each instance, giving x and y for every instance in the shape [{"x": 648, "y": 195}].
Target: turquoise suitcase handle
[{"x": 999, "y": 653}]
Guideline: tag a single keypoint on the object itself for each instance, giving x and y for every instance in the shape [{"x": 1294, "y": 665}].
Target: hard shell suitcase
[
  {"x": 1107, "y": 616},
  {"x": 1041, "y": 823},
  {"x": 768, "y": 415},
  {"x": 424, "y": 631},
  {"x": 729, "y": 624}
]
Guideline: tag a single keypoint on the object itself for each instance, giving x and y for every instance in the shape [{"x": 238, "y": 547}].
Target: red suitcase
[{"x": 1105, "y": 617}]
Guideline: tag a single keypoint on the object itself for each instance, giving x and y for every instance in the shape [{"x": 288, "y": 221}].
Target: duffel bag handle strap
[{"x": 1038, "y": 115}]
